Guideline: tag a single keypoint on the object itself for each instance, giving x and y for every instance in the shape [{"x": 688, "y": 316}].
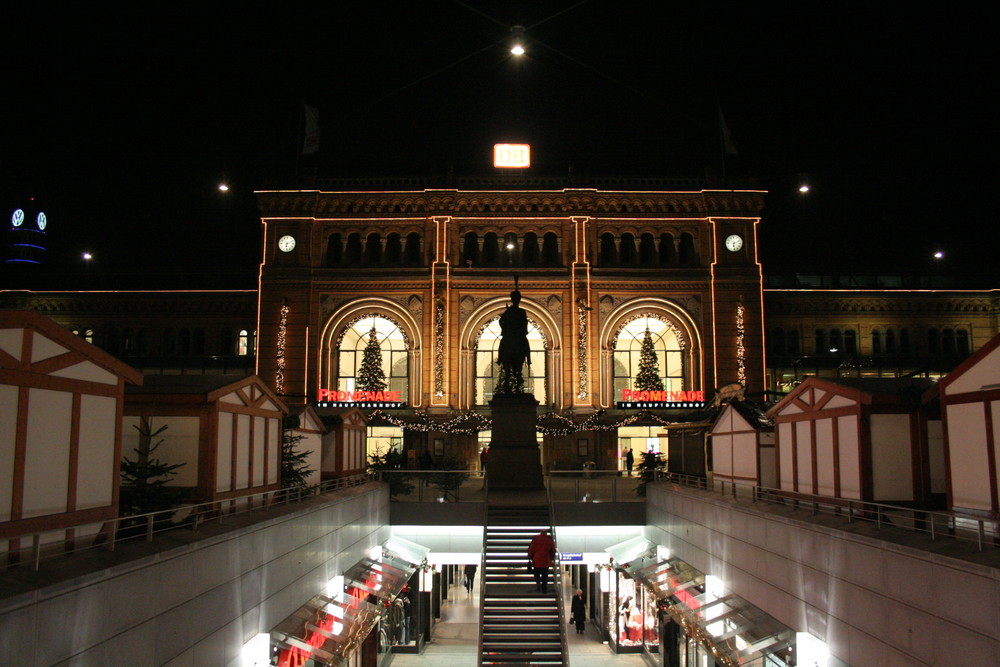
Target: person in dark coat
[
  {"x": 578, "y": 611},
  {"x": 470, "y": 577},
  {"x": 541, "y": 553},
  {"x": 629, "y": 460}
]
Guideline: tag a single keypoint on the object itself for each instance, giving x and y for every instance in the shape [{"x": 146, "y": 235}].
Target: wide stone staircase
[{"x": 519, "y": 626}]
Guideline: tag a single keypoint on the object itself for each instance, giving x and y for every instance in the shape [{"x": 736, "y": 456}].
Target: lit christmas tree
[
  {"x": 371, "y": 377},
  {"x": 648, "y": 378}
]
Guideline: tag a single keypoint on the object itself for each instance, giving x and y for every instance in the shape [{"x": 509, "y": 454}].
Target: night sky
[{"x": 121, "y": 122}]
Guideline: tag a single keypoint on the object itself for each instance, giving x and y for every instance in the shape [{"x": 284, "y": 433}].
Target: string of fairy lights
[
  {"x": 741, "y": 350},
  {"x": 470, "y": 423},
  {"x": 279, "y": 373}
]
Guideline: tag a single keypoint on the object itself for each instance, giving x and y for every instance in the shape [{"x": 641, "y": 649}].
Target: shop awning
[
  {"x": 734, "y": 630},
  {"x": 631, "y": 549},
  {"x": 324, "y": 630},
  {"x": 327, "y": 630},
  {"x": 404, "y": 549}
]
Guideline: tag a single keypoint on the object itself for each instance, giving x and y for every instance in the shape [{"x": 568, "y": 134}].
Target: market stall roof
[
  {"x": 324, "y": 630},
  {"x": 383, "y": 579},
  {"x": 406, "y": 550}
]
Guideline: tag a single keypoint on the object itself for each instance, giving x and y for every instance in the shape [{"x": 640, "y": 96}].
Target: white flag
[{"x": 310, "y": 138}]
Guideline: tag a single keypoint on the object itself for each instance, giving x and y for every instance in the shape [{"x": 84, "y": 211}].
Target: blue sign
[{"x": 570, "y": 557}]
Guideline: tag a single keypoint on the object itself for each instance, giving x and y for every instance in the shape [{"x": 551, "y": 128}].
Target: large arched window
[
  {"x": 628, "y": 348},
  {"x": 487, "y": 369},
  {"x": 392, "y": 345}
]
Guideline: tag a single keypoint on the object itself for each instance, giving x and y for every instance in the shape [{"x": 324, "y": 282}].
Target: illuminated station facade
[{"x": 429, "y": 271}]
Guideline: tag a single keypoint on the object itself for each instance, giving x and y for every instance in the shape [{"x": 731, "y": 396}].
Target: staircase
[{"x": 519, "y": 626}]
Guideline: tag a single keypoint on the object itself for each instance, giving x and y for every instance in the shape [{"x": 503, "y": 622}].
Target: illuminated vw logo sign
[
  {"x": 41, "y": 220},
  {"x": 17, "y": 219}
]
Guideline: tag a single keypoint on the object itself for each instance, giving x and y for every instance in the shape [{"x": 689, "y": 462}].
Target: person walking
[
  {"x": 541, "y": 553},
  {"x": 629, "y": 460},
  {"x": 470, "y": 577},
  {"x": 578, "y": 611}
]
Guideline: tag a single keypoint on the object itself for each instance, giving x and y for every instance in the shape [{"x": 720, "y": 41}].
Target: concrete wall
[
  {"x": 196, "y": 604},
  {"x": 873, "y": 602}
]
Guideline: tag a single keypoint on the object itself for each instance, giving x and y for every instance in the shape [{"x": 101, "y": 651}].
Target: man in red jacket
[{"x": 541, "y": 553}]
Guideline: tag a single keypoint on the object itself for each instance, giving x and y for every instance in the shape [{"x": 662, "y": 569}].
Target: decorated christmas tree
[
  {"x": 371, "y": 377},
  {"x": 648, "y": 378}
]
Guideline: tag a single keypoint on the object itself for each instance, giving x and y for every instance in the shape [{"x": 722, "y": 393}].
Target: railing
[
  {"x": 982, "y": 530},
  {"x": 110, "y": 533},
  {"x": 435, "y": 486},
  {"x": 557, "y": 583},
  {"x": 592, "y": 486}
]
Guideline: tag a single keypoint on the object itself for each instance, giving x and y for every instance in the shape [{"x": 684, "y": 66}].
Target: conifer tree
[
  {"x": 143, "y": 480},
  {"x": 294, "y": 466},
  {"x": 648, "y": 378},
  {"x": 371, "y": 377}
]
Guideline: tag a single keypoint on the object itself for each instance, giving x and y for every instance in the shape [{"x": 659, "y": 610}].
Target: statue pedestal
[{"x": 514, "y": 458}]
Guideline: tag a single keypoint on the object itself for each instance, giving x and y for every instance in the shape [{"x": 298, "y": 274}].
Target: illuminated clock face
[
  {"x": 286, "y": 243},
  {"x": 41, "y": 221},
  {"x": 17, "y": 218},
  {"x": 734, "y": 242}
]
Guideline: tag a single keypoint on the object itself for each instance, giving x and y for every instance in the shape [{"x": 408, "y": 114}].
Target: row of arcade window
[
  {"x": 181, "y": 341},
  {"x": 511, "y": 250},
  {"x": 392, "y": 251},
  {"x": 888, "y": 341},
  {"x": 648, "y": 252},
  {"x": 395, "y": 360}
]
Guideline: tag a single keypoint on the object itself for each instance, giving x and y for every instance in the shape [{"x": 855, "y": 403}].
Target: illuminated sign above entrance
[
  {"x": 333, "y": 398},
  {"x": 517, "y": 156},
  {"x": 632, "y": 398}
]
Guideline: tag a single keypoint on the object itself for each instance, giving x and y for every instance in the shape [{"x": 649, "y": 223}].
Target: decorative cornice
[{"x": 569, "y": 202}]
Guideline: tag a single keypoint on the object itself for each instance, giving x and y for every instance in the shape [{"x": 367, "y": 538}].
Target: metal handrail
[
  {"x": 120, "y": 529},
  {"x": 557, "y": 582},
  {"x": 984, "y": 531},
  {"x": 482, "y": 568}
]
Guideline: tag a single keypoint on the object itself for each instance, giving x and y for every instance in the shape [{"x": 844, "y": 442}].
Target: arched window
[
  {"x": 529, "y": 253},
  {"x": 962, "y": 341},
  {"x": 393, "y": 250},
  {"x": 850, "y": 341},
  {"x": 334, "y": 251},
  {"x": 411, "y": 253},
  {"x": 487, "y": 369},
  {"x": 373, "y": 249},
  {"x": 628, "y": 348},
  {"x": 491, "y": 249},
  {"x": 550, "y": 250},
  {"x": 688, "y": 254},
  {"x": 821, "y": 344},
  {"x": 836, "y": 343},
  {"x": 392, "y": 347},
  {"x": 609, "y": 253},
  {"x": 948, "y": 341},
  {"x": 184, "y": 341},
  {"x": 243, "y": 344},
  {"x": 876, "y": 341},
  {"x": 627, "y": 253},
  {"x": 647, "y": 250},
  {"x": 511, "y": 253},
  {"x": 88, "y": 335},
  {"x": 198, "y": 341},
  {"x": 352, "y": 255},
  {"x": 470, "y": 251},
  {"x": 934, "y": 341},
  {"x": 890, "y": 341},
  {"x": 668, "y": 251}
]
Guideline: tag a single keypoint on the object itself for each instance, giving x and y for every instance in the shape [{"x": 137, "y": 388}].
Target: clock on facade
[
  {"x": 734, "y": 242},
  {"x": 286, "y": 243}
]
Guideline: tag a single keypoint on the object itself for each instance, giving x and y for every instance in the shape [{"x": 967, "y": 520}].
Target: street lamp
[{"x": 517, "y": 47}]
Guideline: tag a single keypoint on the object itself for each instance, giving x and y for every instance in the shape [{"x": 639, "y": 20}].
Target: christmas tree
[
  {"x": 371, "y": 377},
  {"x": 144, "y": 480},
  {"x": 648, "y": 378},
  {"x": 295, "y": 468}
]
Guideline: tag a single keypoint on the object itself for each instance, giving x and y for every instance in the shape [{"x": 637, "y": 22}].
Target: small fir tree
[
  {"x": 295, "y": 468},
  {"x": 648, "y": 378},
  {"x": 371, "y": 377},
  {"x": 651, "y": 466},
  {"x": 143, "y": 480},
  {"x": 391, "y": 464}
]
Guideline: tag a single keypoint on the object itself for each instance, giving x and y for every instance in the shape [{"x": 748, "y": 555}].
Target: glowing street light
[
  {"x": 517, "y": 48},
  {"x": 87, "y": 256},
  {"x": 223, "y": 187},
  {"x": 804, "y": 188},
  {"x": 938, "y": 255}
]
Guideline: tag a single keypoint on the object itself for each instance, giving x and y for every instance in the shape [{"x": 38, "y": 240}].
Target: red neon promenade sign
[
  {"x": 335, "y": 398},
  {"x": 633, "y": 398}
]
